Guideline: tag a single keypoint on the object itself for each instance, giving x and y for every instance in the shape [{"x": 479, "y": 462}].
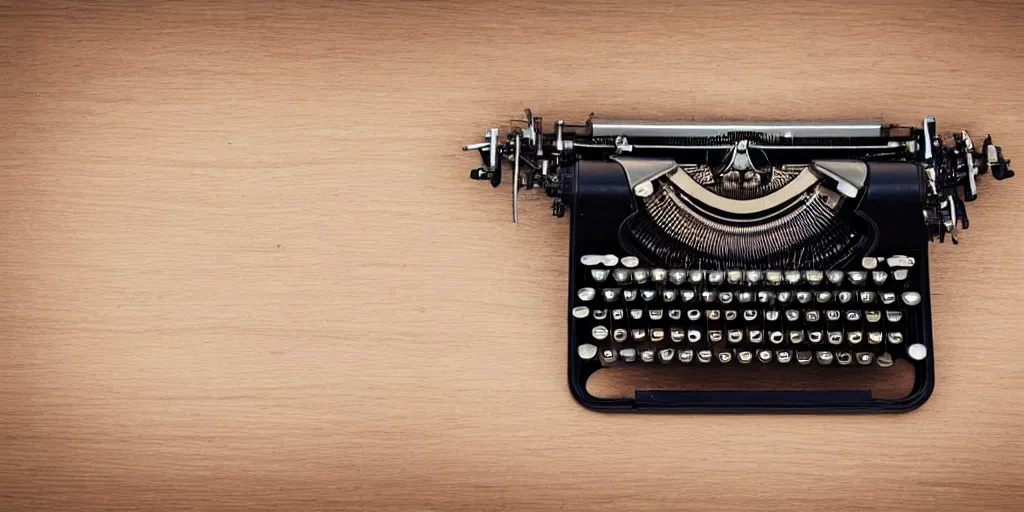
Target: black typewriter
[{"x": 748, "y": 246}]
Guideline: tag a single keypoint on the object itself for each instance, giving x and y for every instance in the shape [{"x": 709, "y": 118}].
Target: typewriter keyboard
[{"x": 626, "y": 313}]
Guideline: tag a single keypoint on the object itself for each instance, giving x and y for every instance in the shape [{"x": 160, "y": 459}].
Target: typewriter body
[{"x": 747, "y": 244}]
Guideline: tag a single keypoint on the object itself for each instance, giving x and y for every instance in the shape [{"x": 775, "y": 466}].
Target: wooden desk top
[{"x": 243, "y": 267}]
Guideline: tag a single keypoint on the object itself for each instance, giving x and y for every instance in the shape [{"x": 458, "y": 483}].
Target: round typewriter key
[
  {"x": 716, "y": 277},
  {"x": 636, "y": 314},
  {"x": 783, "y": 356},
  {"x": 814, "y": 337},
  {"x": 611, "y": 294},
  {"x": 893, "y": 316},
  {"x": 655, "y": 314},
  {"x": 599, "y": 333},
  {"x": 845, "y": 297},
  {"x": 764, "y": 297},
  {"x": 894, "y": 337},
  {"x": 911, "y": 298},
  {"x": 587, "y": 351},
  {"x": 824, "y": 357},
  {"x": 812, "y": 315},
  {"x": 725, "y": 297},
  {"x": 666, "y": 355},
  {"x": 675, "y": 314},
  {"x": 693, "y": 336},
  {"x": 696, "y": 276},
  {"x": 734, "y": 276},
  {"x": 600, "y": 314},
  {"x": 608, "y": 356},
  {"x": 686, "y": 356},
  {"x": 792, "y": 315},
  {"x": 835, "y": 276},
  {"x": 887, "y": 297},
  {"x": 745, "y": 297},
  {"x": 803, "y": 297},
  {"x": 833, "y": 315},
  {"x": 792, "y": 276},
  {"x": 750, "y": 315},
  {"x": 773, "y": 277},
  {"x": 775, "y": 337},
  {"x": 638, "y": 334},
  {"x": 713, "y": 314},
  {"x": 704, "y": 356},
  {"x": 754, "y": 336},
  {"x": 917, "y": 352},
  {"x": 857, "y": 277},
  {"x": 687, "y": 295},
  {"x": 879, "y": 277},
  {"x": 620, "y": 275},
  {"x": 668, "y": 295},
  {"x": 785, "y": 297},
  {"x": 901, "y": 274},
  {"x": 735, "y": 336},
  {"x": 715, "y": 336},
  {"x": 804, "y": 357},
  {"x": 730, "y": 315},
  {"x": 657, "y": 334},
  {"x": 619, "y": 335},
  {"x": 677, "y": 276},
  {"x": 867, "y": 297},
  {"x": 869, "y": 263},
  {"x": 854, "y": 337},
  {"x": 628, "y": 354},
  {"x": 771, "y": 315},
  {"x": 630, "y": 261},
  {"x": 754, "y": 276},
  {"x": 744, "y": 356},
  {"x": 658, "y": 275},
  {"x": 865, "y": 358},
  {"x": 629, "y": 295},
  {"x": 707, "y": 296},
  {"x": 647, "y": 356},
  {"x": 599, "y": 274},
  {"x": 824, "y": 297},
  {"x": 648, "y": 295},
  {"x": 873, "y": 316},
  {"x": 853, "y": 316},
  {"x": 796, "y": 337},
  {"x": 884, "y": 360},
  {"x": 618, "y": 314},
  {"x": 677, "y": 334},
  {"x": 814, "y": 277},
  {"x": 725, "y": 357},
  {"x": 900, "y": 261},
  {"x": 644, "y": 189},
  {"x": 874, "y": 338},
  {"x": 640, "y": 275},
  {"x": 580, "y": 311},
  {"x": 844, "y": 358},
  {"x": 586, "y": 294},
  {"x": 765, "y": 356},
  {"x": 835, "y": 337},
  {"x": 693, "y": 314}
]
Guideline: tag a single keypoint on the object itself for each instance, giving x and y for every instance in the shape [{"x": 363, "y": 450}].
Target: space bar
[{"x": 751, "y": 398}]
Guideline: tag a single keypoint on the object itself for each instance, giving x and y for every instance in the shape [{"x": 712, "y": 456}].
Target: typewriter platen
[{"x": 749, "y": 244}]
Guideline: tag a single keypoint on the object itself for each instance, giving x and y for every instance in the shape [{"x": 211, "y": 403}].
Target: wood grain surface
[{"x": 243, "y": 268}]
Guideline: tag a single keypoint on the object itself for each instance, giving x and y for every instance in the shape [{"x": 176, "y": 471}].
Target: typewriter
[{"x": 747, "y": 246}]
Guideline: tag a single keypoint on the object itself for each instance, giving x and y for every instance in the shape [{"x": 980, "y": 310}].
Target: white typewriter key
[
  {"x": 750, "y": 315},
  {"x": 716, "y": 277},
  {"x": 765, "y": 356},
  {"x": 824, "y": 357},
  {"x": 587, "y": 351},
  {"x": 608, "y": 356},
  {"x": 713, "y": 314},
  {"x": 754, "y": 336},
  {"x": 854, "y": 337},
  {"x": 775, "y": 337},
  {"x": 812, "y": 315},
  {"x": 804, "y": 357},
  {"x": 917, "y": 352},
  {"x": 771, "y": 315},
  {"x": 677, "y": 276},
  {"x": 911, "y": 298},
  {"x": 773, "y": 276},
  {"x": 647, "y": 356},
  {"x": 638, "y": 334},
  {"x": 867, "y": 297},
  {"x": 599, "y": 333},
  {"x": 764, "y": 297},
  {"x": 824, "y": 297},
  {"x": 874, "y": 338},
  {"x": 666, "y": 355},
  {"x": 580, "y": 311},
  {"x": 618, "y": 314},
  {"x": 793, "y": 276},
  {"x": 745, "y": 356},
  {"x": 845, "y": 297},
  {"x": 619, "y": 335},
  {"x": 857, "y": 277},
  {"x": 784, "y": 356},
  {"x": 853, "y": 316},
  {"x": 865, "y": 358},
  {"x": 730, "y": 315},
  {"x": 675, "y": 314},
  {"x": 884, "y": 360},
  {"x": 611, "y": 294},
  {"x": 629, "y": 295},
  {"x": 628, "y": 354},
  {"x": 835, "y": 337},
  {"x": 655, "y": 314},
  {"x": 693, "y": 336},
  {"x": 586, "y": 294},
  {"x": 708, "y": 296},
  {"x": 887, "y": 297},
  {"x": 591, "y": 260},
  {"x": 894, "y": 337},
  {"x": 648, "y": 295},
  {"x": 725, "y": 297},
  {"x": 734, "y": 276},
  {"x": 879, "y": 277},
  {"x": 704, "y": 356},
  {"x": 844, "y": 358},
  {"x": 640, "y": 275},
  {"x": 630, "y": 261},
  {"x": 677, "y": 335},
  {"x": 803, "y": 297},
  {"x": 745, "y": 297},
  {"x": 869, "y": 263},
  {"x": 668, "y": 295},
  {"x": 735, "y": 336},
  {"x": 873, "y": 316},
  {"x": 900, "y": 261},
  {"x": 833, "y": 315},
  {"x": 636, "y": 314},
  {"x": 658, "y": 275},
  {"x": 657, "y": 334},
  {"x": 693, "y": 314},
  {"x": 600, "y": 274},
  {"x": 687, "y": 295},
  {"x": 600, "y": 314},
  {"x": 754, "y": 276},
  {"x": 792, "y": 315},
  {"x": 620, "y": 275},
  {"x": 785, "y": 297},
  {"x": 814, "y": 337},
  {"x": 835, "y": 276},
  {"x": 696, "y": 276},
  {"x": 686, "y": 356},
  {"x": 714, "y": 336},
  {"x": 814, "y": 277},
  {"x": 725, "y": 357},
  {"x": 901, "y": 274},
  {"x": 796, "y": 337}
]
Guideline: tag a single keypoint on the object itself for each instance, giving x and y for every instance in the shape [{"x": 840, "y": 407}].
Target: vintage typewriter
[{"x": 749, "y": 245}]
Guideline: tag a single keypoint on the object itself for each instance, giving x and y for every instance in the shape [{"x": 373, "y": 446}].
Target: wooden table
[{"x": 243, "y": 267}]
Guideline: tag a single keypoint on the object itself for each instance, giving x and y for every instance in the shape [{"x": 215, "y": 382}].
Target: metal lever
[{"x": 515, "y": 181}]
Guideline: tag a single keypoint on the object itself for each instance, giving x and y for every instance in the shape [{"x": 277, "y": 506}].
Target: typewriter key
[
  {"x": 874, "y": 338},
  {"x": 857, "y": 277},
  {"x": 630, "y": 261},
  {"x": 677, "y": 334},
  {"x": 853, "y": 316},
  {"x": 629, "y": 295},
  {"x": 655, "y": 314},
  {"x": 771, "y": 315},
  {"x": 869, "y": 263},
  {"x": 911, "y": 298},
  {"x": 735, "y": 336},
  {"x": 611, "y": 294},
  {"x": 745, "y": 297},
  {"x": 835, "y": 276},
  {"x": 901, "y": 274},
  {"x": 693, "y": 315},
  {"x": 648, "y": 295},
  {"x": 775, "y": 337},
  {"x": 754, "y": 276},
  {"x": 620, "y": 275},
  {"x": 833, "y": 315},
  {"x": 773, "y": 277},
  {"x": 845, "y": 297},
  {"x": 715, "y": 277},
  {"x": 713, "y": 314},
  {"x": 812, "y": 315},
  {"x": 744, "y": 356},
  {"x": 647, "y": 356},
  {"x": 600, "y": 314},
  {"x": 884, "y": 360},
  {"x": 600, "y": 274},
  {"x": 844, "y": 358},
  {"x": 854, "y": 337},
  {"x": 628, "y": 354},
  {"x": 704, "y": 356},
  {"x": 887, "y": 297},
  {"x": 783, "y": 356},
  {"x": 824, "y": 297},
  {"x": 792, "y": 315},
  {"x": 734, "y": 276},
  {"x": 599, "y": 333},
  {"x": 687, "y": 295},
  {"x": 725, "y": 357},
  {"x": 793, "y": 276},
  {"x": 636, "y": 314},
  {"x": 693, "y": 336},
  {"x": 715, "y": 336},
  {"x": 796, "y": 337},
  {"x": 824, "y": 357},
  {"x": 765, "y": 356},
  {"x": 666, "y": 355},
  {"x": 586, "y": 294},
  {"x": 750, "y": 315},
  {"x": 894, "y": 337},
  {"x": 814, "y": 277},
  {"x": 725, "y": 297},
  {"x": 873, "y": 316},
  {"x": 900, "y": 261},
  {"x": 675, "y": 314},
  {"x": 814, "y": 337},
  {"x": 618, "y": 314},
  {"x": 917, "y": 351},
  {"x": 657, "y": 334},
  {"x": 867, "y": 297},
  {"x": 619, "y": 335},
  {"x": 879, "y": 277},
  {"x": 893, "y": 316},
  {"x": 835, "y": 337},
  {"x": 580, "y": 311},
  {"x": 696, "y": 276},
  {"x": 707, "y": 296},
  {"x": 785, "y": 297},
  {"x": 608, "y": 356},
  {"x": 640, "y": 275},
  {"x": 638, "y": 334},
  {"x": 686, "y": 356},
  {"x": 865, "y": 358},
  {"x": 803, "y": 297},
  {"x": 658, "y": 275},
  {"x": 764, "y": 297},
  {"x": 677, "y": 276},
  {"x": 804, "y": 356},
  {"x": 730, "y": 315},
  {"x": 668, "y": 295},
  {"x": 587, "y": 351},
  {"x": 591, "y": 260},
  {"x": 754, "y": 336}
]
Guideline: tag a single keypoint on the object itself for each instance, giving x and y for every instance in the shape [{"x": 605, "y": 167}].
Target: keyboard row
[
  {"x": 686, "y": 295},
  {"x": 738, "y": 277},
  {"x": 764, "y": 356},
  {"x": 754, "y": 336},
  {"x": 867, "y": 262}
]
